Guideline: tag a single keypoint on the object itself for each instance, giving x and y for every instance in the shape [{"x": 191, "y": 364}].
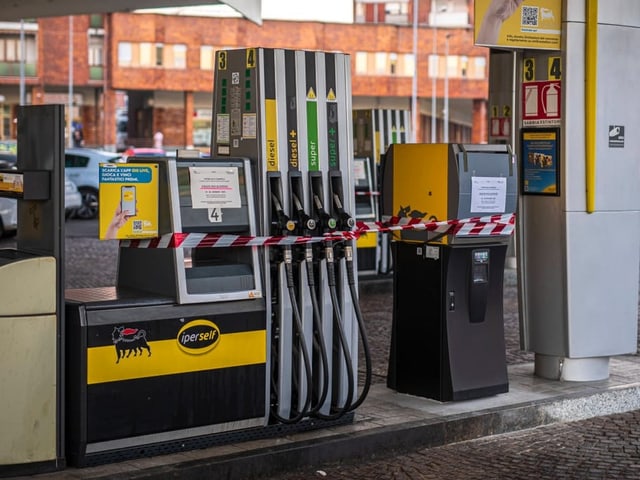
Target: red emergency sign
[{"x": 541, "y": 103}]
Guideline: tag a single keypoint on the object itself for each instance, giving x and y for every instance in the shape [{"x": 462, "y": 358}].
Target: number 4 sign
[{"x": 215, "y": 215}]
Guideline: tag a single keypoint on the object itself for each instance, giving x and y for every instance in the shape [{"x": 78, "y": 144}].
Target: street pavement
[
  {"x": 597, "y": 436},
  {"x": 601, "y": 448}
]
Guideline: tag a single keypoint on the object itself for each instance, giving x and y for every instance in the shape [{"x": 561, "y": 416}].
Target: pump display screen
[
  {"x": 480, "y": 256},
  {"x": 212, "y": 197}
]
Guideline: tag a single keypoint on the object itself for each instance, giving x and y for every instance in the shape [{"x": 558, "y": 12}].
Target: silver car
[
  {"x": 82, "y": 167},
  {"x": 72, "y": 197},
  {"x": 8, "y": 207},
  {"x": 8, "y": 216}
]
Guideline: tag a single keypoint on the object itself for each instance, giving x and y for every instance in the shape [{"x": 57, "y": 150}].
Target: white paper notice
[
  {"x": 488, "y": 194},
  {"x": 215, "y": 187},
  {"x": 359, "y": 169}
]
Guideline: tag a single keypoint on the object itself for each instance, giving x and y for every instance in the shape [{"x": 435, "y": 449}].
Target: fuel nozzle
[
  {"x": 283, "y": 223},
  {"x": 306, "y": 223},
  {"x": 345, "y": 221},
  {"x": 327, "y": 222}
]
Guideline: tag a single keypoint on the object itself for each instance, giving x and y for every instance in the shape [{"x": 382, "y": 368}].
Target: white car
[
  {"x": 72, "y": 197},
  {"x": 9, "y": 206},
  {"x": 8, "y": 216},
  {"x": 82, "y": 167}
]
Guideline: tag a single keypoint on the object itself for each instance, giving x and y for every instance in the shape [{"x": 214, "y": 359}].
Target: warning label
[{"x": 541, "y": 103}]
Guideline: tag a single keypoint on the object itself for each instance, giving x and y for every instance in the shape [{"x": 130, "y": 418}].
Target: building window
[
  {"x": 376, "y": 11},
  {"x": 396, "y": 13},
  {"x": 456, "y": 66},
  {"x": 385, "y": 64},
  {"x": 96, "y": 50},
  {"x": 159, "y": 54},
  {"x": 207, "y": 53},
  {"x": 478, "y": 68},
  {"x": 96, "y": 21},
  {"x": 407, "y": 66},
  {"x": 125, "y": 54},
  {"x": 11, "y": 49},
  {"x": 361, "y": 59},
  {"x": 433, "y": 66},
  {"x": 451, "y": 65},
  {"x": 147, "y": 55},
  {"x": 179, "y": 56},
  {"x": 96, "y": 56}
]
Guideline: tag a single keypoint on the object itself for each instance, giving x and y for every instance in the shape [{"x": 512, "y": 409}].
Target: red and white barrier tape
[{"x": 494, "y": 225}]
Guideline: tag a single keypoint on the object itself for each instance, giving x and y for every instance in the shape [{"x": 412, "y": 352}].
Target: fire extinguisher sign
[{"x": 541, "y": 103}]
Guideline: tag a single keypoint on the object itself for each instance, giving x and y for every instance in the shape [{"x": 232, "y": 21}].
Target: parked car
[
  {"x": 72, "y": 197},
  {"x": 143, "y": 152},
  {"x": 8, "y": 216},
  {"x": 82, "y": 167},
  {"x": 8, "y": 160},
  {"x": 8, "y": 206}
]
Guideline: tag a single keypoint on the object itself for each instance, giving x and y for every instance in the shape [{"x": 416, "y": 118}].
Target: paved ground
[
  {"x": 599, "y": 446},
  {"x": 602, "y": 448}
]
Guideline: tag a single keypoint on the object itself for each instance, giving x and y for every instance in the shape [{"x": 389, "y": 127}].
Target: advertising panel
[
  {"x": 128, "y": 207},
  {"x": 534, "y": 24}
]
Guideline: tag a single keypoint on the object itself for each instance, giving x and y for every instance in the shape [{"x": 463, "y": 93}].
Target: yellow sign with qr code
[
  {"x": 128, "y": 207},
  {"x": 528, "y": 24}
]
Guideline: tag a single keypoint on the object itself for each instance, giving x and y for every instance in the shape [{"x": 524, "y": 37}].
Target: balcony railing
[
  {"x": 12, "y": 69},
  {"x": 96, "y": 72}
]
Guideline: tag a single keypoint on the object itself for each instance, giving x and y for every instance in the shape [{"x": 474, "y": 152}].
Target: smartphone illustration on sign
[{"x": 128, "y": 200}]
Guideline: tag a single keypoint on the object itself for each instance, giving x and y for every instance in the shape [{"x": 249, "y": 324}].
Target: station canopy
[{"x": 15, "y": 10}]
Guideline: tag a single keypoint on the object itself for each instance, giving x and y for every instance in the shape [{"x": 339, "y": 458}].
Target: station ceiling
[{"x": 15, "y": 10}]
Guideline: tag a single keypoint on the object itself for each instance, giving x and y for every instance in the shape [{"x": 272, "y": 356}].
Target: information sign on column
[{"x": 541, "y": 103}]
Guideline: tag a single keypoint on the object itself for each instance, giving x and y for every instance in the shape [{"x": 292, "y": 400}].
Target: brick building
[{"x": 154, "y": 72}]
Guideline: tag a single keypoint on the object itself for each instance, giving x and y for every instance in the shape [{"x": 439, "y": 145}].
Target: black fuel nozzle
[
  {"x": 306, "y": 224},
  {"x": 327, "y": 222},
  {"x": 282, "y": 223},
  {"x": 345, "y": 221}
]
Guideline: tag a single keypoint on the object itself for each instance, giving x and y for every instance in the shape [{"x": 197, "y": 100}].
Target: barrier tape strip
[{"x": 494, "y": 225}]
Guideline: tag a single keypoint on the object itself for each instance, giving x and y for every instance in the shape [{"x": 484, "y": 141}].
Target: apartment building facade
[{"x": 149, "y": 72}]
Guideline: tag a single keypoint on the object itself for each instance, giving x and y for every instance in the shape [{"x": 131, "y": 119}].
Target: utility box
[
  {"x": 28, "y": 358},
  {"x": 454, "y": 349}
]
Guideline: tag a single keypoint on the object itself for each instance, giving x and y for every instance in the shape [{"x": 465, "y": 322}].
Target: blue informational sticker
[{"x": 540, "y": 161}]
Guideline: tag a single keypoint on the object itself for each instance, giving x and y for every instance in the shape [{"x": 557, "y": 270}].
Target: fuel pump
[{"x": 287, "y": 109}]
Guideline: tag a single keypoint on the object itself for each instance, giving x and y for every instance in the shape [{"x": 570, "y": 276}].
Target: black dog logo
[
  {"x": 129, "y": 340},
  {"x": 407, "y": 212}
]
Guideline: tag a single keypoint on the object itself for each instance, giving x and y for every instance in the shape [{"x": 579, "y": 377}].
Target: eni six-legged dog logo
[{"x": 128, "y": 341}]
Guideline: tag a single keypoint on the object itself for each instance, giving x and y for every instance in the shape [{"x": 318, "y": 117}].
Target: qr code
[
  {"x": 137, "y": 226},
  {"x": 530, "y": 16}
]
